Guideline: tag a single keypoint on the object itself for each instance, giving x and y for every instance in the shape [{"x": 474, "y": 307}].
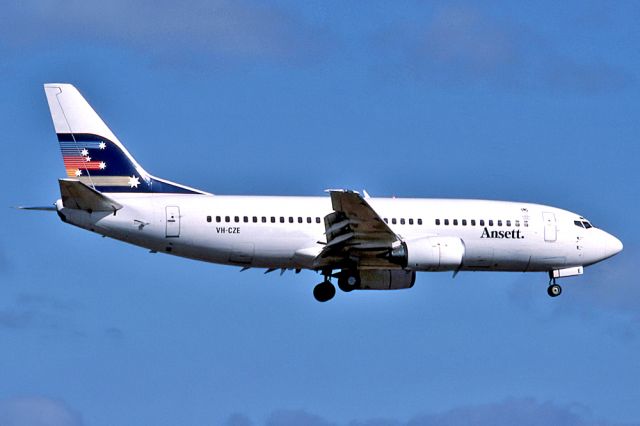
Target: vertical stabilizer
[{"x": 91, "y": 152}]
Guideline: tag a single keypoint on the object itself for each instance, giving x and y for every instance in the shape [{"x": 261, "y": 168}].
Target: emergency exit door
[
  {"x": 550, "y": 229},
  {"x": 173, "y": 221}
]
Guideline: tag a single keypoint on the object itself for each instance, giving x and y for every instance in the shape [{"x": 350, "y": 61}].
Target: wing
[{"x": 354, "y": 230}]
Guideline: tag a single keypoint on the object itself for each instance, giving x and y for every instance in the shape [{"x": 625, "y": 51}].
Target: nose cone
[{"x": 612, "y": 246}]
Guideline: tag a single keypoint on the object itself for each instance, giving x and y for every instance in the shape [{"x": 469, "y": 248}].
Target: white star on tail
[
  {"x": 134, "y": 182},
  {"x": 84, "y": 152},
  {"x": 87, "y": 158},
  {"x": 102, "y": 165},
  {"x": 102, "y": 145},
  {"x": 78, "y": 172}
]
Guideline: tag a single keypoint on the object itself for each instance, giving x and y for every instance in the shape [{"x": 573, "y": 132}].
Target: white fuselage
[{"x": 288, "y": 232}]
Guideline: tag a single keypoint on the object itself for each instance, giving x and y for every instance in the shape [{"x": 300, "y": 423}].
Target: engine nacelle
[
  {"x": 430, "y": 254},
  {"x": 386, "y": 279}
]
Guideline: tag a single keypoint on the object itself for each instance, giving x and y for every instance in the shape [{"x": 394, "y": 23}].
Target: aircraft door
[
  {"x": 173, "y": 221},
  {"x": 550, "y": 229}
]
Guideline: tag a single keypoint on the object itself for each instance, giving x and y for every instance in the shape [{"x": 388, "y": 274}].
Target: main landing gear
[
  {"x": 554, "y": 289},
  {"x": 324, "y": 291},
  {"x": 347, "y": 281}
]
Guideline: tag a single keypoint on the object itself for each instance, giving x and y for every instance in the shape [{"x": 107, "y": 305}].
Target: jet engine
[{"x": 430, "y": 254}]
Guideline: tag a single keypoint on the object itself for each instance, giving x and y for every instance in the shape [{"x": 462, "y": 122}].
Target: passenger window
[
  {"x": 236, "y": 219},
  {"x": 481, "y": 222},
  {"x": 299, "y": 219},
  {"x": 290, "y": 219},
  {"x": 218, "y": 218},
  {"x": 317, "y": 220},
  {"x": 227, "y": 219},
  {"x": 308, "y": 220},
  {"x": 245, "y": 219},
  {"x": 208, "y": 218},
  {"x": 446, "y": 222},
  {"x": 264, "y": 219},
  {"x": 526, "y": 223},
  {"x": 386, "y": 220},
  {"x": 464, "y": 222},
  {"x": 402, "y": 221},
  {"x": 410, "y": 221},
  {"x": 508, "y": 223},
  {"x": 490, "y": 222},
  {"x": 281, "y": 219},
  {"x": 255, "y": 219},
  {"x": 437, "y": 221},
  {"x": 473, "y": 222},
  {"x": 517, "y": 223},
  {"x": 393, "y": 220},
  {"x": 499, "y": 222},
  {"x": 273, "y": 219},
  {"x": 455, "y": 222},
  {"x": 419, "y": 221}
]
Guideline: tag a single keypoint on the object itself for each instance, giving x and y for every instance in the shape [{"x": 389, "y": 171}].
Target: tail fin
[{"x": 92, "y": 153}]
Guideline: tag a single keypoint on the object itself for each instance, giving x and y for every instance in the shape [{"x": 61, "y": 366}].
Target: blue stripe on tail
[{"x": 88, "y": 156}]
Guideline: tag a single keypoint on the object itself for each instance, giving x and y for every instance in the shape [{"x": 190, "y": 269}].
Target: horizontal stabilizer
[
  {"x": 77, "y": 195},
  {"x": 40, "y": 208}
]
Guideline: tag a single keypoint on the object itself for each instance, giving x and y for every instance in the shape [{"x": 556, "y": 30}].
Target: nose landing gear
[{"x": 554, "y": 289}]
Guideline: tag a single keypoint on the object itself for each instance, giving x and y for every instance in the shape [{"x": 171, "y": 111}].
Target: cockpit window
[
  {"x": 587, "y": 224},
  {"x": 578, "y": 223}
]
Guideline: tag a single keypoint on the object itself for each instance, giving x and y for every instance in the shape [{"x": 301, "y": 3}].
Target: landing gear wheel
[
  {"x": 324, "y": 291},
  {"x": 348, "y": 282},
  {"x": 554, "y": 290}
]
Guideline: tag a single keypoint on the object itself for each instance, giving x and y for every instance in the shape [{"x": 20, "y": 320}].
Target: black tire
[
  {"x": 554, "y": 290},
  {"x": 349, "y": 282},
  {"x": 324, "y": 292}
]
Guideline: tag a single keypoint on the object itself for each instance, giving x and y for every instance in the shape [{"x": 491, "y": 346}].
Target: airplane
[{"x": 358, "y": 241}]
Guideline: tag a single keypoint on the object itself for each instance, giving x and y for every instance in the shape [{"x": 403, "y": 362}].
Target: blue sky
[{"x": 503, "y": 100}]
